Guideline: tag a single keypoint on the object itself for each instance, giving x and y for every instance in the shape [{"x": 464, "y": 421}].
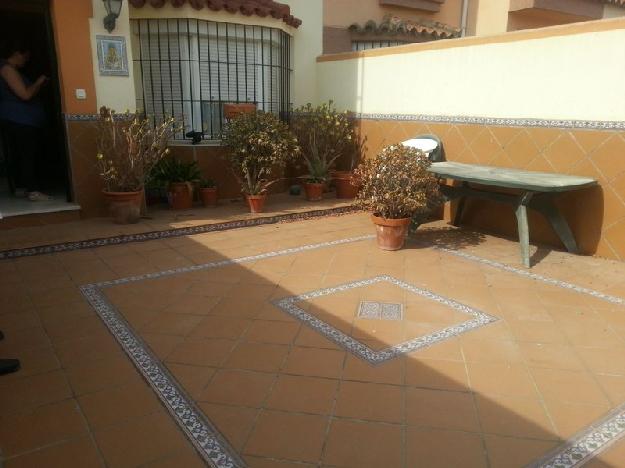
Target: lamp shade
[{"x": 113, "y": 7}]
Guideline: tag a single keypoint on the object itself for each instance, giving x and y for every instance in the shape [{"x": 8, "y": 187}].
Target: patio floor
[{"x": 304, "y": 345}]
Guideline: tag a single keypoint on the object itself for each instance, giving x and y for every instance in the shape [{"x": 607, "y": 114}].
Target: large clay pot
[
  {"x": 343, "y": 184},
  {"x": 180, "y": 195},
  {"x": 208, "y": 196},
  {"x": 390, "y": 233},
  {"x": 314, "y": 191},
  {"x": 125, "y": 207},
  {"x": 256, "y": 202}
]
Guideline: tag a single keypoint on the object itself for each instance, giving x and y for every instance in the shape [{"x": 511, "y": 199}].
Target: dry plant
[
  {"x": 396, "y": 183},
  {"x": 129, "y": 147}
]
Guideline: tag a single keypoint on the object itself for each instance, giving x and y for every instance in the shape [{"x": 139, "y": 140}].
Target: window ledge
[{"x": 204, "y": 143}]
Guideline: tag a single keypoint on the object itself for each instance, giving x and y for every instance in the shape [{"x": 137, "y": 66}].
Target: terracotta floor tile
[
  {"x": 288, "y": 436},
  {"x": 163, "y": 345},
  {"x": 106, "y": 372},
  {"x": 613, "y": 386},
  {"x": 140, "y": 441},
  {"x": 57, "y": 296},
  {"x": 192, "y": 378},
  {"x": 206, "y": 352},
  {"x": 24, "y": 395},
  {"x": 236, "y": 387},
  {"x": 188, "y": 458},
  {"x": 263, "y": 331},
  {"x": 258, "y": 462},
  {"x": 80, "y": 326},
  {"x": 17, "y": 321},
  {"x": 234, "y": 422},
  {"x": 303, "y": 394},
  {"x": 501, "y": 379},
  {"x": 240, "y": 307},
  {"x": 32, "y": 362},
  {"x": 77, "y": 452},
  {"x": 568, "y": 386},
  {"x": 315, "y": 362},
  {"x": 441, "y": 409},
  {"x": 571, "y": 418},
  {"x": 437, "y": 374},
  {"x": 221, "y": 327},
  {"x": 519, "y": 417},
  {"x": 112, "y": 406},
  {"x": 368, "y": 401},
  {"x": 87, "y": 348},
  {"x": 363, "y": 444},
  {"x": 611, "y": 457},
  {"x": 442, "y": 449},
  {"x": 593, "y": 334},
  {"x": 509, "y": 452},
  {"x": 551, "y": 356},
  {"x": 493, "y": 351},
  {"x": 257, "y": 356},
  {"x": 536, "y": 332},
  {"x": 603, "y": 360},
  {"x": 311, "y": 338},
  {"x": 172, "y": 324},
  {"x": 449, "y": 349},
  {"x": 390, "y": 372},
  {"x": 43, "y": 426},
  {"x": 18, "y": 341}
]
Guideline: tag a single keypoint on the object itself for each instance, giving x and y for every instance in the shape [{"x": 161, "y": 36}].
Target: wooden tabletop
[{"x": 511, "y": 178}]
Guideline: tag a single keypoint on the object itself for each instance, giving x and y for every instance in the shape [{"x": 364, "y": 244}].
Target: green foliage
[
  {"x": 207, "y": 183},
  {"x": 129, "y": 148},
  {"x": 172, "y": 170},
  {"x": 260, "y": 146},
  {"x": 397, "y": 184},
  {"x": 324, "y": 135}
]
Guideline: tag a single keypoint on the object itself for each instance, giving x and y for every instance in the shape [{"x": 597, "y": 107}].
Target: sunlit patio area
[{"x": 303, "y": 344}]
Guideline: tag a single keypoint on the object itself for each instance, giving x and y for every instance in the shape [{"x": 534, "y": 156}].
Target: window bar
[
  {"x": 171, "y": 74},
  {"x": 180, "y": 73},
  {"x": 199, "y": 72},
  {"x": 262, "y": 65},
  {"x": 255, "y": 66},
  {"x": 281, "y": 77},
  {"x": 271, "y": 70},
  {"x": 190, "y": 74},
  {"x": 236, "y": 60},
  {"x": 219, "y": 106},
  {"x": 228, "y": 62},
  {"x": 141, "y": 66},
  {"x": 247, "y": 96},
  {"x": 160, "y": 66},
  {"x": 151, "y": 70},
  {"x": 210, "y": 80}
]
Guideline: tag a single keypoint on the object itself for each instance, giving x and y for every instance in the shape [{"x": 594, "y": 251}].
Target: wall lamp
[{"x": 113, "y": 8}]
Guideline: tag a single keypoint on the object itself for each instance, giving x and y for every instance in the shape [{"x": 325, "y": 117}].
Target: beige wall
[
  {"x": 560, "y": 76},
  {"x": 492, "y": 17},
  {"x": 342, "y": 13},
  {"x": 116, "y": 92}
]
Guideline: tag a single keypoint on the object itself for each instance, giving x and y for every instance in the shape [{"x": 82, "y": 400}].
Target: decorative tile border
[
  {"x": 177, "y": 232},
  {"x": 363, "y": 351},
  {"x": 502, "y": 122},
  {"x": 210, "y": 444}
]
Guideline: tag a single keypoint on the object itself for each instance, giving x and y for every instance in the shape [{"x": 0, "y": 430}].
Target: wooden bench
[{"x": 537, "y": 190}]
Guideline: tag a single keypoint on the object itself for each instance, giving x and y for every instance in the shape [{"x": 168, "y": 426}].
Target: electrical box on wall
[{"x": 81, "y": 94}]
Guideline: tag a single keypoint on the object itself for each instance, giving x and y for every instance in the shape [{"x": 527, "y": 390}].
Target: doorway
[{"x": 30, "y": 21}]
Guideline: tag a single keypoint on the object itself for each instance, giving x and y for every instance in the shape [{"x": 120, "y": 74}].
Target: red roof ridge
[{"x": 260, "y": 8}]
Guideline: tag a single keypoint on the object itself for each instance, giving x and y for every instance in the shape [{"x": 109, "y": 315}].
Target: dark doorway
[{"x": 30, "y": 21}]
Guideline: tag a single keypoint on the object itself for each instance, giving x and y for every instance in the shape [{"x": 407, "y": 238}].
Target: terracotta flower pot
[
  {"x": 390, "y": 233},
  {"x": 256, "y": 202},
  {"x": 314, "y": 191},
  {"x": 180, "y": 195},
  {"x": 343, "y": 184},
  {"x": 125, "y": 207},
  {"x": 209, "y": 196}
]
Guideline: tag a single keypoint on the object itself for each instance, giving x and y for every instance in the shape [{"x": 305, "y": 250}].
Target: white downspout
[{"x": 465, "y": 18}]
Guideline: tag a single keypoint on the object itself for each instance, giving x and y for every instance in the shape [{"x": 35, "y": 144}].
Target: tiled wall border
[
  {"x": 167, "y": 234},
  {"x": 478, "y": 319},
  {"x": 492, "y": 121}
]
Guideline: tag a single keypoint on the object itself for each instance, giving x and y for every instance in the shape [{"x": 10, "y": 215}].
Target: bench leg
[
  {"x": 523, "y": 227},
  {"x": 457, "y": 219},
  {"x": 547, "y": 208}
]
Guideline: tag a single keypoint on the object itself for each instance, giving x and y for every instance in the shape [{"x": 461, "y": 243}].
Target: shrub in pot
[
  {"x": 396, "y": 185},
  {"x": 178, "y": 177},
  {"x": 129, "y": 147},
  {"x": 324, "y": 135},
  {"x": 260, "y": 146},
  {"x": 208, "y": 193}
]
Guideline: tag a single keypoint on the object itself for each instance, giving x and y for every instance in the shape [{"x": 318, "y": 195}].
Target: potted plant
[
  {"x": 208, "y": 192},
  {"x": 396, "y": 185},
  {"x": 178, "y": 177},
  {"x": 260, "y": 146},
  {"x": 128, "y": 149},
  {"x": 324, "y": 135}
]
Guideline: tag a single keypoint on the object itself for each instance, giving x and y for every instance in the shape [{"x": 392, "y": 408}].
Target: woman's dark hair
[{"x": 9, "y": 46}]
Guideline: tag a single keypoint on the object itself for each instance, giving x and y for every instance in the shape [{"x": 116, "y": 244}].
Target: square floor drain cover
[{"x": 380, "y": 310}]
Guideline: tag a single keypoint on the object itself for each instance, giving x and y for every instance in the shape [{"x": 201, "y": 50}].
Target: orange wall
[{"x": 73, "y": 47}]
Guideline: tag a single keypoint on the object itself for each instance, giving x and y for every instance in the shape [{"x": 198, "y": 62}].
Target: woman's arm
[{"x": 16, "y": 84}]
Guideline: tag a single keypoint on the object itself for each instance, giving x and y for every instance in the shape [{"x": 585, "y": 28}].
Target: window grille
[
  {"x": 190, "y": 68},
  {"x": 365, "y": 45}
]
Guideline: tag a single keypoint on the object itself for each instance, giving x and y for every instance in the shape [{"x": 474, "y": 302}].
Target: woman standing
[{"x": 22, "y": 115}]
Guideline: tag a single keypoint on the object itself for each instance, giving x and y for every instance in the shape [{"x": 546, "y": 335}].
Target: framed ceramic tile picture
[{"x": 112, "y": 59}]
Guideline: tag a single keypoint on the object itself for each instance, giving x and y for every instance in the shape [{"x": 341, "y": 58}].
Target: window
[
  {"x": 190, "y": 68},
  {"x": 365, "y": 45}
]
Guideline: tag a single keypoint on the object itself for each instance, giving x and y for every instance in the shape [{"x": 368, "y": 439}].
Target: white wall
[
  {"x": 577, "y": 76},
  {"x": 116, "y": 92}
]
